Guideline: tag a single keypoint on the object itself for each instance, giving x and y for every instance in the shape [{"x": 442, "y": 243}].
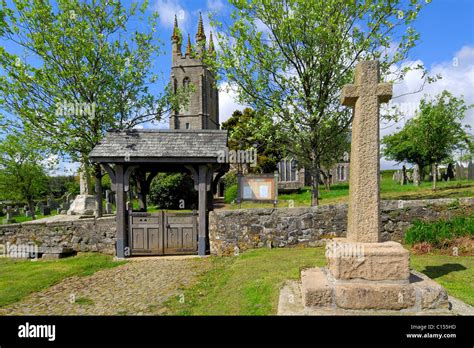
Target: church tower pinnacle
[{"x": 190, "y": 70}]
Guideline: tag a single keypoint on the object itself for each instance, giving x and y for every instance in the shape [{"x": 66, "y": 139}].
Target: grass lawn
[
  {"x": 19, "y": 278},
  {"x": 249, "y": 284},
  {"x": 389, "y": 190}
]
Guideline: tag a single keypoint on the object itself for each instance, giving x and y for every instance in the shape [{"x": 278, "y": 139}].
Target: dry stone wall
[
  {"x": 79, "y": 235},
  {"x": 237, "y": 230}
]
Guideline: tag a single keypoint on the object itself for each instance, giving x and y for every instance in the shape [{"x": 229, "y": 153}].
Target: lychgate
[{"x": 146, "y": 153}]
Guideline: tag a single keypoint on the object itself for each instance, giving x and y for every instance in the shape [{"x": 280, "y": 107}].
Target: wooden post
[
  {"x": 120, "y": 214},
  {"x": 239, "y": 187},
  {"x": 275, "y": 177},
  {"x": 202, "y": 233}
]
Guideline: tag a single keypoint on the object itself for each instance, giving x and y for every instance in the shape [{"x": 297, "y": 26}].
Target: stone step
[
  {"x": 315, "y": 288},
  {"x": 319, "y": 290}
]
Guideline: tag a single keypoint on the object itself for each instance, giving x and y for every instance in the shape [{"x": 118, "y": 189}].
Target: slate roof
[{"x": 146, "y": 143}]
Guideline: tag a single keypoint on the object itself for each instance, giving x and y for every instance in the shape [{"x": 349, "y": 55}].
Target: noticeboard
[{"x": 263, "y": 187}]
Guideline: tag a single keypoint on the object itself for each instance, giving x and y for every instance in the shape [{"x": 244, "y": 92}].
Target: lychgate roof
[{"x": 145, "y": 144}]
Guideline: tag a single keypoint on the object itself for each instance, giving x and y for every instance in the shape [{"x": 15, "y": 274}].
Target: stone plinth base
[
  {"x": 291, "y": 303},
  {"x": 82, "y": 205},
  {"x": 320, "y": 289},
  {"x": 367, "y": 261},
  {"x": 369, "y": 277}
]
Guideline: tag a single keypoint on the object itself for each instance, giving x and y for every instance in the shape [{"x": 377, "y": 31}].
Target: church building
[{"x": 202, "y": 111}]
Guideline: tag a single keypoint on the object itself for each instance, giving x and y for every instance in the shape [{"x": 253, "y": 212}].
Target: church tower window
[{"x": 186, "y": 82}]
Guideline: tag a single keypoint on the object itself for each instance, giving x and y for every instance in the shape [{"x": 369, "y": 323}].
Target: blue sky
[
  {"x": 446, "y": 47},
  {"x": 445, "y": 26}
]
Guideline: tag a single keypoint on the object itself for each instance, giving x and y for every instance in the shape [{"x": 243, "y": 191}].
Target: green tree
[
  {"x": 402, "y": 147},
  {"x": 292, "y": 57},
  {"x": 439, "y": 130},
  {"x": 249, "y": 129},
  {"x": 75, "y": 69},
  {"x": 22, "y": 176},
  {"x": 340, "y": 142},
  {"x": 173, "y": 191},
  {"x": 60, "y": 185}
]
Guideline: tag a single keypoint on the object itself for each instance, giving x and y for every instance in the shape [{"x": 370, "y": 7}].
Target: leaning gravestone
[{"x": 362, "y": 272}]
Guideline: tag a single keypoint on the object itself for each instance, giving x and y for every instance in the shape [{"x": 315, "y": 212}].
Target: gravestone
[
  {"x": 416, "y": 175},
  {"x": 8, "y": 219},
  {"x": 45, "y": 210},
  {"x": 460, "y": 175},
  {"x": 15, "y": 211},
  {"x": 52, "y": 204},
  {"x": 364, "y": 273},
  {"x": 84, "y": 203},
  {"x": 470, "y": 171},
  {"x": 108, "y": 208},
  {"x": 394, "y": 176}
]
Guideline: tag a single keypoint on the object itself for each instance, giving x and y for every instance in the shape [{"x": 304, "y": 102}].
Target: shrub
[
  {"x": 167, "y": 190},
  {"x": 230, "y": 194},
  {"x": 230, "y": 179},
  {"x": 439, "y": 232}
]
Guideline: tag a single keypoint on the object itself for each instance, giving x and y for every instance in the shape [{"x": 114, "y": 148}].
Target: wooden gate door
[
  {"x": 146, "y": 233},
  {"x": 180, "y": 233},
  {"x": 162, "y": 233}
]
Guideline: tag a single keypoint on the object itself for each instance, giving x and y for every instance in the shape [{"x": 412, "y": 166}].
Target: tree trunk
[
  {"x": 404, "y": 176},
  {"x": 31, "y": 204},
  {"x": 142, "y": 201},
  {"x": 98, "y": 189},
  {"x": 315, "y": 186},
  {"x": 142, "y": 190},
  {"x": 326, "y": 179},
  {"x": 435, "y": 175}
]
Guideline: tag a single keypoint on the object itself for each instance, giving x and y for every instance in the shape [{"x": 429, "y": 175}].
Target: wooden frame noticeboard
[{"x": 261, "y": 187}]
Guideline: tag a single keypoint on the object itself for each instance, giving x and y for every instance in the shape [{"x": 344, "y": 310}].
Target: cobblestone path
[{"x": 139, "y": 287}]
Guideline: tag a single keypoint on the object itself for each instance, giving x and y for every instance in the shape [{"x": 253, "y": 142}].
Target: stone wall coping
[
  {"x": 40, "y": 223},
  {"x": 386, "y": 205}
]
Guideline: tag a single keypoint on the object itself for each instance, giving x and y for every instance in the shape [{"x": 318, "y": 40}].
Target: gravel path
[{"x": 140, "y": 287}]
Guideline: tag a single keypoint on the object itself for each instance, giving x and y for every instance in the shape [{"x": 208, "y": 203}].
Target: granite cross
[{"x": 365, "y": 95}]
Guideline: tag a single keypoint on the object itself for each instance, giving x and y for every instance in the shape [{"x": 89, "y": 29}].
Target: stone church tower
[{"x": 202, "y": 111}]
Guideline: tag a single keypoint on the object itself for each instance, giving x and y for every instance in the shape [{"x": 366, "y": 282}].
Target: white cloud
[
  {"x": 457, "y": 77},
  {"x": 167, "y": 9},
  {"x": 215, "y": 5},
  {"x": 228, "y": 101},
  {"x": 66, "y": 168}
]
